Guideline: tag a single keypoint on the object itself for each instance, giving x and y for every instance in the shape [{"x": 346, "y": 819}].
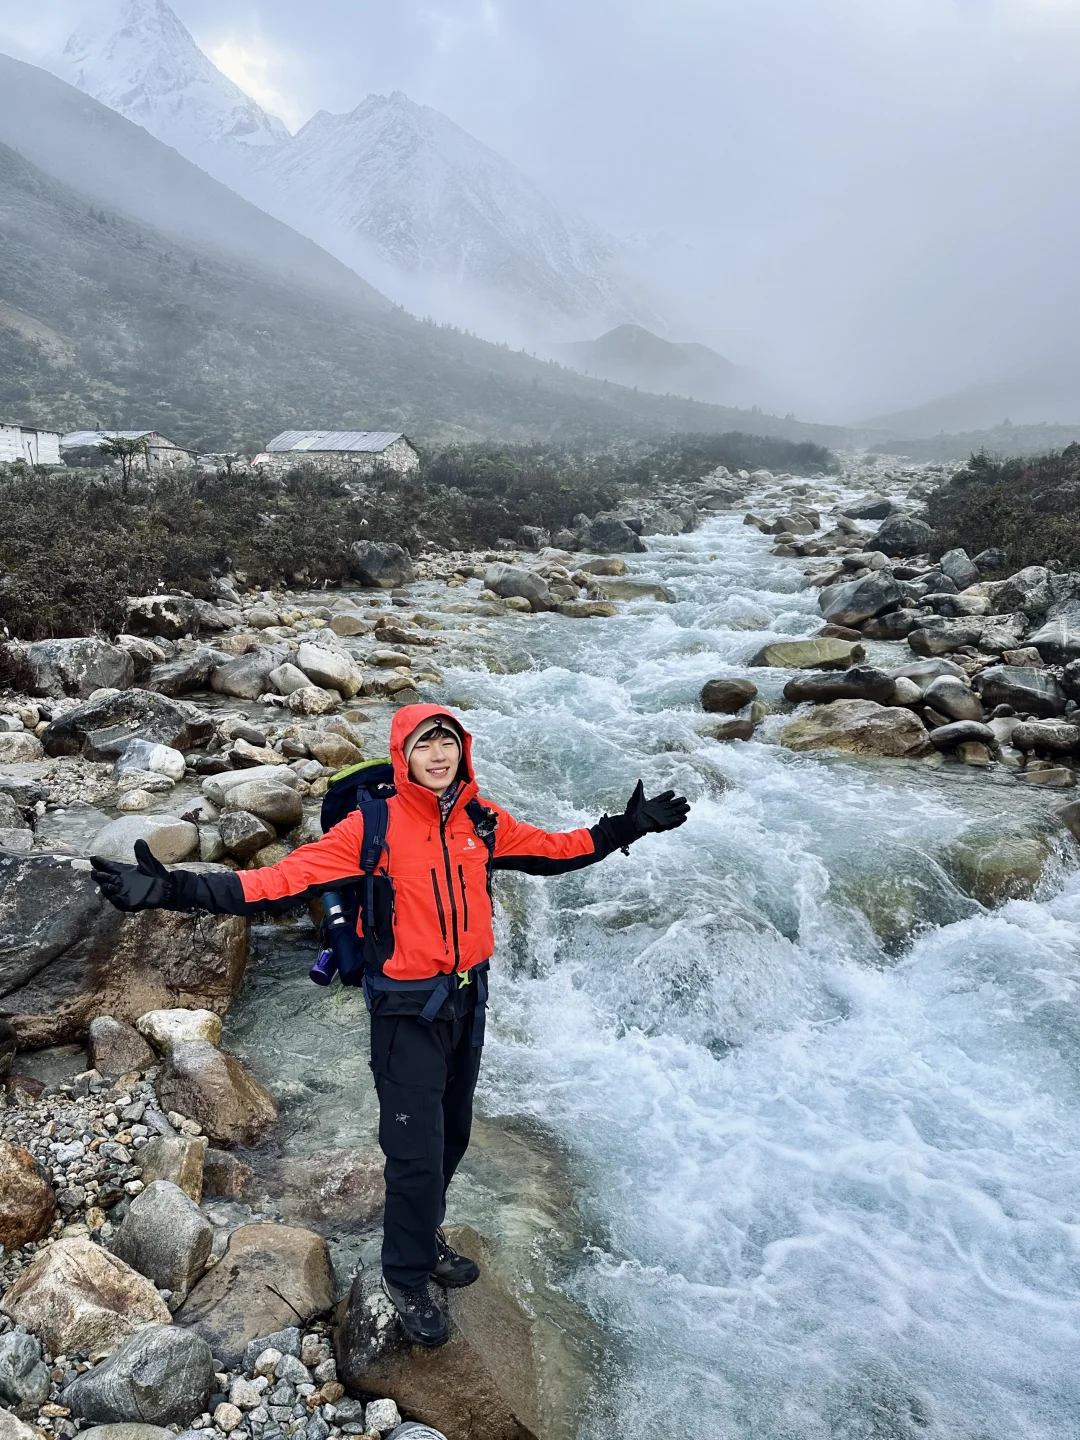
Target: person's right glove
[
  {"x": 145, "y": 886},
  {"x": 666, "y": 811}
]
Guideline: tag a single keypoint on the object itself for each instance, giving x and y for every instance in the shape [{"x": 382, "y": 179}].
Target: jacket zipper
[
  {"x": 464, "y": 898},
  {"x": 439, "y": 907},
  {"x": 450, "y": 892}
]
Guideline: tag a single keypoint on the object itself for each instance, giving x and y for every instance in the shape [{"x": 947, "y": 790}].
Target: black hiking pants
[{"x": 425, "y": 1075}]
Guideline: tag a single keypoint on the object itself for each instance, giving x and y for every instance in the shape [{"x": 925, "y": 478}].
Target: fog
[{"x": 874, "y": 204}]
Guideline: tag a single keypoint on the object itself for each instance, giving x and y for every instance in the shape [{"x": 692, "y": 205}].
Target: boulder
[
  {"x": 77, "y": 667},
  {"x": 277, "y": 804},
  {"x": 246, "y": 677},
  {"x": 1028, "y": 591},
  {"x": 116, "y": 1049},
  {"x": 24, "y": 1376},
  {"x": 940, "y": 635},
  {"x": 9, "y": 1043},
  {"x": 225, "y": 1175},
  {"x": 100, "y": 729},
  {"x": 216, "y": 787},
  {"x": 380, "y": 565},
  {"x": 1031, "y": 691},
  {"x": 508, "y": 581},
  {"x": 243, "y": 834},
  {"x": 1058, "y": 638},
  {"x": 991, "y": 561},
  {"x": 585, "y": 609},
  {"x": 144, "y": 755},
  {"x": 736, "y": 729},
  {"x": 896, "y": 625},
  {"x": 66, "y": 955},
  {"x": 78, "y": 1298},
  {"x": 162, "y": 1376},
  {"x": 144, "y": 654},
  {"x": 726, "y": 697},
  {"x": 170, "y": 839},
  {"x": 166, "y": 1237},
  {"x": 186, "y": 673},
  {"x": 962, "y": 732},
  {"x": 349, "y": 624},
  {"x": 288, "y": 678},
  {"x": 1056, "y": 736},
  {"x": 330, "y": 669},
  {"x": 817, "y": 654},
  {"x": 19, "y": 747},
  {"x": 861, "y": 727},
  {"x": 177, "y": 1158},
  {"x": 869, "y": 507},
  {"x": 166, "y": 1028},
  {"x": 960, "y": 568},
  {"x": 994, "y": 868},
  {"x": 333, "y": 1187},
  {"x": 482, "y": 1383},
  {"x": 951, "y": 696},
  {"x": 923, "y": 672},
  {"x": 859, "y": 600},
  {"x": 903, "y": 535},
  {"x": 861, "y": 682},
  {"x": 610, "y": 536},
  {"x": 313, "y": 700},
  {"x": 27, "y": 1201},
  {"x": 270, "y": 1277},
  {"x": 615, "y": 589},
  {"x": 214, "y": 1089},
  {"x": 333, "y": 750},
  {"x": 533, "y": 537},
  {"x": 12, "y": 1428},
  {"x": 172, "y": 616}
]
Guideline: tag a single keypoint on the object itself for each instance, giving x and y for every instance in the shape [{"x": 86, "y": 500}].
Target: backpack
[{"x": 367, "y": 786}]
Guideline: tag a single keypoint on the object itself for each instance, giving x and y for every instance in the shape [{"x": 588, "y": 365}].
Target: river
[{"x": 797, "y": 1121}]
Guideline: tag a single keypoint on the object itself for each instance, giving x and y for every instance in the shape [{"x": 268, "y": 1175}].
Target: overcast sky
[{"x": 879, "y": 197}]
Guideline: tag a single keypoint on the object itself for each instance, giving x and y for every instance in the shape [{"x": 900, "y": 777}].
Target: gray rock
[
  {"x": 287, "y": 678},
  {"x": 895, "y": 625},
  {"x": 382, "y": 1416},
  {"x": 275, "y": 803},
  {"x": 177, "y": 1158},
  {"x": 100, "y": 729},
  {"x": 951, "y": 696},
  {"x": 381, "y": 565},
  {"x": 962, "y": 732},
  {"x": 243, "y": 834},
  {"x": 166, "y": 1237},
  {"x": 24, "y": 1376},
  {"x": 172, "y": 616},
  {"x": 411, "y": 1430},
  {"x": 11, "y": 817},
  {"x": 288, "y": 1341},
  {"x": 77, "y": 667},
  {"x": 989, "y": 562},
  {"x": 869, "y": 507},
  {"x": 292, "y": 1370},
  {"x": 170, "y": 839},
  {"x": 216, "y": 787},
  {"x": 186, "y": 673},
  {"x": 19, "y": 839},
  {"x": 211, "y": 846},
  {"x": 1028, "y": 591},
  {"x": 1058, "y": 638},
  {"x": 164, "y": 1375},
  {"x": 903, "y": 535},
  {"x": 116, "y": 1049},
  {"x": 960, "y": 568},
  {"x": 142, "y": 755},
  {"x": 1031, "y": 691},
  {"x": 1055, "y": 736},
  {"x": 938, "y": 635},
  {"x": 9, "y": 1044},
  {"x": 859, "y": 600},
  {"x": 133, "y": 1430},
  {"x": 213, "y": 1088},
  {"x": 861, "y": 682},
  {"x": 246, "y": 677},
  {"x": 332, "y": 669},
  {"x": 610, "y": 537},
  {"x": 533, "y": 537},
  {"x": 726, "y": 697},
  {"x": 19, "y": 748},
  {"x": 515, "y": 580}
]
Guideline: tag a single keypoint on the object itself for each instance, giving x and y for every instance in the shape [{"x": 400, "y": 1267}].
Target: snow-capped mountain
[{"x": 144, "y": 64}]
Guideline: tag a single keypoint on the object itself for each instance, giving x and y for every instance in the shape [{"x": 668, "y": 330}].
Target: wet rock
[
  {"x": 1031, "y": 691},
  {"x": 179, "y": 1159},
  {"x": 896, "y": 625},
  {"x": 350, "y": 624},
  {"x": 727, "y": 696},
  {"x": 115, "y": 1048},
  {"x": 859, "y": 600},
  {"x": 214, "y": 1089},
  {"x": 989, "y": 562},
  {"x": 903, "y": 535},
  {"x": 165, "y": 1237},
  {"x": 244, "y": 834},
  {"x": 994, "y": 868},
  {"x": 166, "y": 1028},
  {"x": 1054, "y": 777},
  {"x": 939, "y": 635},
  {"x": 78, "y": 1298},
  {"x": 961, "y": 732},
  {"x": 906, "y": 692},
  {"x": 586, "y": 609},
  {"x": 960, "y": 568},
  {"x": 815, "y": 654},
  {"x": 100, "y": 729},
  {"x": 170, "y": 840},
  {"x": 24, "y": 1376},
  {"x": 953, "y": 697},
  {"x": 162, "y": 1376},
  {"x": 330, "y": 669},
  {"x": 514, "y": 581},
  {"x": 972, "y": 752},
  {"x": 246, "y": 677},
  {"x": 860, "y": 727},
  {"x": 869, "y": 507},
  {"x": 27, "y": 1201},
  {"x": 172, "y": 616},
  {"x": 66, "y": 955},
  {"x": 615, "y": 589},
  {"x": 225, "y": 1176},
  {"x": 186, "y": 673},
  {"x": 483, "y": 1383},
  {"x": 605, "y": 565},
  {"x": 610, "y": 536},
  {"x": 270, "y": 1276},
  {"x": 1056, "y": 736},
  {"x": 329, "y": 1188},
  {"x": 77, "y": 667},
  {"x": 145, "y": 755},
  {"x": 19, "y": 747},
  {"x": 725, "y": 730},
  {"x": 861, "y": 682},
  {"x": 838, "y": 632},
  {"x": 275, "y": 803},
  {"x": 1058, "y": 639},
  {"x": 1028, "y": 591},
  {"x": 924, "y": 672},
  {"x": 380, "y": 565}
]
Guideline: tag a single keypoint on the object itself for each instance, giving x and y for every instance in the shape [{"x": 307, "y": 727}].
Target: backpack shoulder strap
[{"x": 375, "y": 813}]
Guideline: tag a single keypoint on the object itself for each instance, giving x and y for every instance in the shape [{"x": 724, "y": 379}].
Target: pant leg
[
  {"x": 410, "y": 1063},
  {"x": 457, "y": 1100}
]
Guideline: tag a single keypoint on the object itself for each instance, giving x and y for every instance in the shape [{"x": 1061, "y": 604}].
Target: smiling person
[{"x": 424, "y": 940}]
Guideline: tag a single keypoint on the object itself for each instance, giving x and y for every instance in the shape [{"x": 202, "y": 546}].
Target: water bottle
[
  {"x": 339, "y": 956},
  {"x": 324, "y": 969}
]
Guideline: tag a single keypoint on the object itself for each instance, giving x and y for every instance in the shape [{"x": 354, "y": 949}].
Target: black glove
[
  {"x": 666, "y": 811},
  {"x": 145, "y": 886}
]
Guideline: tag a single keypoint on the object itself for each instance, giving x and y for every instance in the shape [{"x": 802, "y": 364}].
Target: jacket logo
[
  {"x": 402, "y": 1119},
  {"x": 470, "y": 843}
]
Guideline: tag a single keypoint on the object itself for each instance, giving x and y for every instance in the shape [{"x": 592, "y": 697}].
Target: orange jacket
[{"x": 442, "y": 911}]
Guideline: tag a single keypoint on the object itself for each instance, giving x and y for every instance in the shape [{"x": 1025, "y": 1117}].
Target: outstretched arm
[{"x": 519, "y": 846}]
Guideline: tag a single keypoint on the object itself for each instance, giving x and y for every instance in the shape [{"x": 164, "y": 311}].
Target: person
[{"x": 427, "y": 938}]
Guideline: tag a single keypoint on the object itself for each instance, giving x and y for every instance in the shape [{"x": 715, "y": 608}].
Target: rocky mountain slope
[{"x": 632, "y": 355}]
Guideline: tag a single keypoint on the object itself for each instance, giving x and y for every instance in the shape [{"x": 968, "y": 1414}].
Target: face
[{"x": 434, "y": 763}]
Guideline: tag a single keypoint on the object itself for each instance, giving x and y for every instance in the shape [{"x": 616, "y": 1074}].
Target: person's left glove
[
  {"x": 666, "y": 811},
  {"x": 147, "y": 885}
]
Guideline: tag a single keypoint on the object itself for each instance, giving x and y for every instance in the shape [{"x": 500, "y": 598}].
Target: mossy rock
[{"x": 994, "y": 868}]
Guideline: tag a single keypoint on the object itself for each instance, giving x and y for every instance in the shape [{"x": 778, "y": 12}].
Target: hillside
[
  {"x": 1045, "y": 393},
  {"x": 632, "y": 355}
]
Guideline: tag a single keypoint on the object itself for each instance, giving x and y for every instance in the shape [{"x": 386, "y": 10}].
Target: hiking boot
[
  {"x": 453, "y": 1270},
  {"x": 421, "y": 1319}
]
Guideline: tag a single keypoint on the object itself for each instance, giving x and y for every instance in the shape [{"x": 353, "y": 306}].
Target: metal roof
[
  {"x": 368, "y": 442},
  {"x": 95, "y": 437}
]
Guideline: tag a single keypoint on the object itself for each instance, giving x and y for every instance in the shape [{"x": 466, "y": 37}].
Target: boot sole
[
  {"x": 433, "y": 1344},
  {"x": 449, "y": 1283}
]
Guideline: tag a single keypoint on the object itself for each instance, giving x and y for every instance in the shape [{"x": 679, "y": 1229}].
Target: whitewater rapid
[{"x": 825, "y": 1184}]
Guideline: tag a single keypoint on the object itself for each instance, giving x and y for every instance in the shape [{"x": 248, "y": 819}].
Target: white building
[
  {"x": 23, "y": 442},
  {"x": 161, "y": 454},
  {"x": 342, "y": 452}
]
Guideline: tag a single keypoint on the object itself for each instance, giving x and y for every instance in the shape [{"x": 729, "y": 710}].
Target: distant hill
[
  {"x": 631, "y": 355},
  {"x": 1046, "y": 393}
]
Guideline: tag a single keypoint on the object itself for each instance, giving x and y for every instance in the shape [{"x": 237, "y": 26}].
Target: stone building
[
  {"x": 341, "y": 452},
  {"x": 23, "y": 442},
  {"x": 83, "y": 447}
]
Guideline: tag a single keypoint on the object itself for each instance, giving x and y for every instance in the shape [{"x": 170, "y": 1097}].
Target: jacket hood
[{"x": 403, "y": 724}]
